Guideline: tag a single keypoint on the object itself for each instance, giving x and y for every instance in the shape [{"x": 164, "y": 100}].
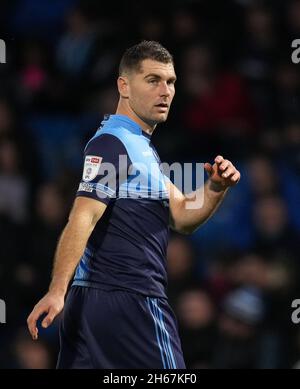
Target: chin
[{"x": 161, "y": 118}]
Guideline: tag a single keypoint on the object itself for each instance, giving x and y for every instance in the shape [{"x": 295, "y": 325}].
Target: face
[{"x": 150, "y": 92}]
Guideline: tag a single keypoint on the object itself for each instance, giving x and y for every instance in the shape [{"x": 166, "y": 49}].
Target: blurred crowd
[{"x": 233, "y": 281}]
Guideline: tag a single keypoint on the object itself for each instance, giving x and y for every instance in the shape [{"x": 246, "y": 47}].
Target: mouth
[{"x": 163, "y": 107}]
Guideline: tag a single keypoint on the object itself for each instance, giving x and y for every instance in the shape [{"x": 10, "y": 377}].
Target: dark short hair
[{"x": 132, "y": 58}]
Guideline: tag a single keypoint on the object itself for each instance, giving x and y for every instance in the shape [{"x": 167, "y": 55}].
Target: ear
[{"x": 123, "y": 86}]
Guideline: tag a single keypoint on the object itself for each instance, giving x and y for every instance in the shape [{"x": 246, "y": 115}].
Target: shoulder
[{"x": 105, "y": 142}]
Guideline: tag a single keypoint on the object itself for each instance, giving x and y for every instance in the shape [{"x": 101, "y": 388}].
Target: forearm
[
  {"x": 205, "y": 201},
  {"x": 188, "y": 212},
  {"x": 85, "y": 214},
  {"x": 69, "y": 251}
]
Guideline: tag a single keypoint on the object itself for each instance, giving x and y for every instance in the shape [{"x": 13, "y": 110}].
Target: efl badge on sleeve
[{"x": 91, "y": 167}]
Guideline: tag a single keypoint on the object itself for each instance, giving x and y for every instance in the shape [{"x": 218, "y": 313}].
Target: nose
[{"x": 164, "y": 89}]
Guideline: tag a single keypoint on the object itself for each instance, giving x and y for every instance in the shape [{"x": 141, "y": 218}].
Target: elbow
[
  {"x": 188, "y": 230},
  {"x": 184, "y": 229}
]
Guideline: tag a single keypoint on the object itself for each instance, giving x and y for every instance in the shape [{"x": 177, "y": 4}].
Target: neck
[{"x": 125, "y": 109}]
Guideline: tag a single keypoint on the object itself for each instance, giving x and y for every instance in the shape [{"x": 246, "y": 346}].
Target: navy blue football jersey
[{"x": 127, "y": 248}]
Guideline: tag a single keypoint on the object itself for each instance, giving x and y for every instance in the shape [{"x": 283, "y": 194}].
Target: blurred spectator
[
  {"x": 293, "y": 18},
  {"x": 33, "y": 73},
  {"x": 32, "y": 18},
  {"x": 103, "y": 101},
  {"x": 286, "y": 93},
  {"x": 250, "y": 269},
  {"x": 273, "y": 230},
  {"x": 6, "y": 119},
  {"x": 267, "y": 274},
  {"x": 76, "y": 45},
  {"x": 13, "y": 186},
  {"x": 262, "y": 176},
  {"x": 218, "y": 104},
  {"x": 259, "y": 47},
  {"x": 237, "y": 345},
  {"x": 291, "y": 146},
  {"x": 257, "y": 55},
  {"x": 26, "y": 354},
  {"x": 33, "y": 76},
  {"x": 31, "y": 272},
  {"x": 185, "y": 27},
  {"x": 196, "y": 314},
  {"x": 44, "y": 234},
  {"x": 151, "y": 27},
  {"x": 181, "y": 267}
]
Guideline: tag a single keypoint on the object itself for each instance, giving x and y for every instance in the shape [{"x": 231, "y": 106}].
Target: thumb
[
  {"x": 208, "y": 168},
  {"x": 49, "y": 318}
]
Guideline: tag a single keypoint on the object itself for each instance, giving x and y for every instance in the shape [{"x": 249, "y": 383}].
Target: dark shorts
[{"x": 117, "y": 330}]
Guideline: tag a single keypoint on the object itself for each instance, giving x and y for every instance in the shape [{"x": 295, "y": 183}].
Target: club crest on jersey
[{"x": 91, "y": 167}]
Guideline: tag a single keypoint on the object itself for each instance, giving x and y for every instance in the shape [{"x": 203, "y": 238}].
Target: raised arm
[
  {"x": 183, "y": 218},
  {"x": 84, "y": 215}
]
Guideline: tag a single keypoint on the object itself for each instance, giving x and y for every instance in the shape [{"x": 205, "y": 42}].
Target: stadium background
[{"x": 238, "y": 93}]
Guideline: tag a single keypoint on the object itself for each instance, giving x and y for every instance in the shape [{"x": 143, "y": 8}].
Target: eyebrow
[{"x": 158, "y": 76}]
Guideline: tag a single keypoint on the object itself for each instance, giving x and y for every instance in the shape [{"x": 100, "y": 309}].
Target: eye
[
  {"x": 153, "y": 81},
  {"x": 171, "y": 82}
]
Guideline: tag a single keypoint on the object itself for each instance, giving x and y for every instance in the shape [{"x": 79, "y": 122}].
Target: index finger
[
  {"x": 32, "y": 319},
  {"x": 219, "y": 159}
]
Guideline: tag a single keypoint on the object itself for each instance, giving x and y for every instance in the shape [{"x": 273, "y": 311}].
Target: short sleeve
[{"x": 105, "y": 161}]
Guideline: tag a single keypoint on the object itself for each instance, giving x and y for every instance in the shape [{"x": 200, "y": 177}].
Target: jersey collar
[{"x": 132, "y": 125}]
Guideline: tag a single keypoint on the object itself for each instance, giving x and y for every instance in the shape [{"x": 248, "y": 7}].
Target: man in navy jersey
[{"x": 116, "y": 313}]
